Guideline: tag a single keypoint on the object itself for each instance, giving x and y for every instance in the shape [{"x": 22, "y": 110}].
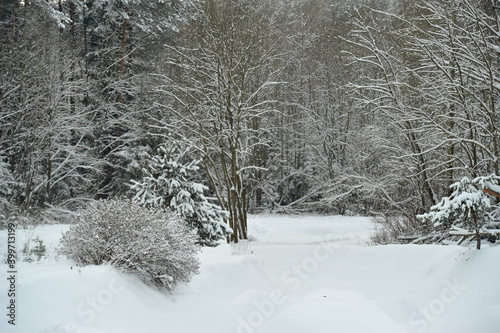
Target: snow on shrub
[
  {"x": 154, "y": 244},
  {"x": 167, "y": 182}
]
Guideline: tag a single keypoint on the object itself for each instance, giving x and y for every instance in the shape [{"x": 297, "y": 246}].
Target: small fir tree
[
  {"x": 168, "y": 182},
  {"x": 467, "y": 207}
]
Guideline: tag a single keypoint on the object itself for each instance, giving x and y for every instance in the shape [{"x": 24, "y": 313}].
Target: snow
[{"x": 297, "y": 274}]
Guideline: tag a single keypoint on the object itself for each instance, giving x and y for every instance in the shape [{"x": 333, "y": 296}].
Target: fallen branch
[{"x": 496, "y": 194}]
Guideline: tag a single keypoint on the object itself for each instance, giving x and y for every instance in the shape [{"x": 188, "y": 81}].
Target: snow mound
[
  {"x": 329, "y": 310},
  {"x": 301, "y": 274}
]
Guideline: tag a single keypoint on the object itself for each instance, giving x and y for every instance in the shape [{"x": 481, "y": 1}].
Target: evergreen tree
[
  {"x": 168, "y": 182},
  {"x": 467, "y": 207}
]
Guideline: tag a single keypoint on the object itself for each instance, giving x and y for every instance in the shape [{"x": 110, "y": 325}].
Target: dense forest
[{"x": 370, "y": 107}]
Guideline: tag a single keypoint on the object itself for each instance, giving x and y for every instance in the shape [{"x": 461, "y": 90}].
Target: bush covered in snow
[
  {"x": 393, "y": 228},
  {"x": 168, "y": 182},
  {"x": 5, "y": 184},
  {"x": 152, "y": 243}
]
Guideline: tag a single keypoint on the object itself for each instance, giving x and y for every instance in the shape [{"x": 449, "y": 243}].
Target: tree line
[{"x": 332, "y": 106}]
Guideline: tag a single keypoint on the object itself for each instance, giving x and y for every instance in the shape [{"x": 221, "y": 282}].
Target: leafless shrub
[{"x": 153, "y": 244}]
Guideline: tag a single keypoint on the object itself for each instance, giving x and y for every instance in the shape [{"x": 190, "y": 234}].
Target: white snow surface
[{"x": 297, "y": 274}]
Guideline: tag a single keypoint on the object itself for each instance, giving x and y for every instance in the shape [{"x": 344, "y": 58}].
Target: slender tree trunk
[
  {"x": 478, "y": 239},
  {"x": 13, "y": 29},
  {"x": 478, "y": 235},
  {"x": 60, "y": 8},
  {"x": 122, "y": 61},
  {"x": 234, "y": 194},
  {"x": 72, "y": 18}
]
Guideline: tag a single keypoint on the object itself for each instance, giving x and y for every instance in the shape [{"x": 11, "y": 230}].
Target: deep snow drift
[{"x": 297, "y": 274}]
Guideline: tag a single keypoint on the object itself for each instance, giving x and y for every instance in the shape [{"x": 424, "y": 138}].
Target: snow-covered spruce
[
  {"x": 167, "y": 182},
  {"x": 154, "y": 244},
  {"x": 467, "y": 207}
]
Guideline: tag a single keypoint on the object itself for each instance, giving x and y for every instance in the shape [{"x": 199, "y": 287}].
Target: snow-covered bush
[
  {"x": 6, "y": 181},
  {"x": 168, "y": 182},
  {"x": 395, "y": 228},
  {"x": 154, "y": 244},
  {"x": 467, "y": 207}
]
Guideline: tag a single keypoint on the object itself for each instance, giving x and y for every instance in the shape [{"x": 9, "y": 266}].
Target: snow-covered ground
[{"x": 297, "y": 274}]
